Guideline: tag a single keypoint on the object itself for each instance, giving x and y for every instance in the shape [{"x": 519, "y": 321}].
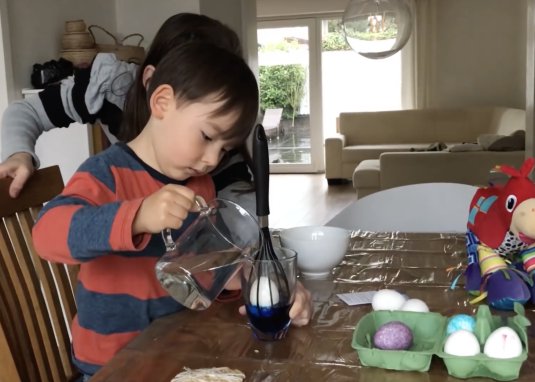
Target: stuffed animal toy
[{"x": 501, "y": 240}]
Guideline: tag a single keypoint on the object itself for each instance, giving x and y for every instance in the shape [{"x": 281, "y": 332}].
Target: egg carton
[
  {"x": 424, "y": 328},
  {"x": 429, "y": 335},
  {"x": 481, "y": 365}
]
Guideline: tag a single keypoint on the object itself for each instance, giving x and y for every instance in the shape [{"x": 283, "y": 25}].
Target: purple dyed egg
[{"x": 394, "y": 335}]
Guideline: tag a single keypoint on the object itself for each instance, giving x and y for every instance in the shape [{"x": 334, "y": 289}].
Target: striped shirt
[{"x": 90, "y": 224}]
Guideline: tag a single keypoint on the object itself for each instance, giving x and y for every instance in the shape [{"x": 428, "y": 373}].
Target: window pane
[
  {"x": 351, "y": 82},
  {"x": 283, "y": 57}
]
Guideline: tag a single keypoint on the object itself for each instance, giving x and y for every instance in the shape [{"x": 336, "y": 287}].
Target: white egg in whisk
[{"x": 264, "y": 292}]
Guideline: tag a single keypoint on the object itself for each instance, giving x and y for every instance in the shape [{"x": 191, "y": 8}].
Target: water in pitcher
[{"x": 196, "y": 280}]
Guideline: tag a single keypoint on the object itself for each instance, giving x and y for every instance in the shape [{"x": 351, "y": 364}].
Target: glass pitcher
[{"x": 197, "y": 266}]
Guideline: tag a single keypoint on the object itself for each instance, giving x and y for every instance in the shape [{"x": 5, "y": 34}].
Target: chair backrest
[
  {"x": 272, "y": 118},
  {"x": 36, "y": 296},
  {"x": 425, "y": 207}
]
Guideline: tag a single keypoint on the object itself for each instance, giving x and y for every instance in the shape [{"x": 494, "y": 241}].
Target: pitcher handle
[{"x": 166, "y": 233}]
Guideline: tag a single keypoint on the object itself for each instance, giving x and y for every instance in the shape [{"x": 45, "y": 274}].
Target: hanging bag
[{"x": 123, "y": 52}]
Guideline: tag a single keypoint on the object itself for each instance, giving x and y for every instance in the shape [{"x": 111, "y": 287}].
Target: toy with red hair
[{"x": 501, "y": 240}]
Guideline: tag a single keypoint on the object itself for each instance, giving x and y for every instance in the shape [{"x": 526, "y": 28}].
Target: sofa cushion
[
  {"x": 358, "y": 153},
  {"x": 466, "y": 147}
]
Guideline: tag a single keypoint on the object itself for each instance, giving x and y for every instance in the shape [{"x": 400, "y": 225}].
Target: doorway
[{"x": 289, "y": 87}]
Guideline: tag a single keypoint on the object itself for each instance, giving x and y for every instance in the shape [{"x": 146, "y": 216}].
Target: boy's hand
[
  {"x": 166, "y": 208},
  {"x": 18, "y": 166},
  {"x": 301, "y": 310}
]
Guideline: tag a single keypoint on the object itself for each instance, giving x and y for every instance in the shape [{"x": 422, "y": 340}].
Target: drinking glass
[
  {"x": 197, "y": 266},
  {"x": 266, "y": 301}
]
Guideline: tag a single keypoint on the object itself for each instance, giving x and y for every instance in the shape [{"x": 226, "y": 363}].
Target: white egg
[
  {"x": 387, "y": 299},
  {"x": 503, "y": 343},
  {"x": 462, "y": 343},
  {"x": 265, "y": 292},
  {"x": 415, "y": 305}
]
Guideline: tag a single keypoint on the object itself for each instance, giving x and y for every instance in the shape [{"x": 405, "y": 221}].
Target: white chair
[
  {"x": 425, "y": 207},
  {"x": 271, "y": 122}
]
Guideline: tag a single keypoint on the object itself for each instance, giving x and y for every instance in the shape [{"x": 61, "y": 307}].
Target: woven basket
[
  {"x": 72, "y": 26},
  {"x": 80, "y": 58},
  {"x": 77, "y": 40},
  {"x": 129, "y": 53}
]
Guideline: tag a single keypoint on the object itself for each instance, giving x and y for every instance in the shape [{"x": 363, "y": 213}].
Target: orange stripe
[
  {"x": 135, "y": 276},
  {"x": 95, "y": 348},
  {"x": 145, "y": 184},
  {"x": 203, "y": 186},
  {"x": 132, "y": 184},
  {"x": 87, "y": 187},
  {"x": 51, "y": 232}
]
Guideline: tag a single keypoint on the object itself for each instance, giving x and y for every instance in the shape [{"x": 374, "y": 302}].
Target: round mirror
[{"x": 377, "y": 28}]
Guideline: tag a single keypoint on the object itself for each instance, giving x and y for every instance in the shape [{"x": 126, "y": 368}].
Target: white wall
[
  {"x": 146, "y": 17},
  {"x": 480, "y": 53},
  {"x": 36, "y": 27},
  {"x": 240, "y": 15},
  {"x": 480, "y": 47}
]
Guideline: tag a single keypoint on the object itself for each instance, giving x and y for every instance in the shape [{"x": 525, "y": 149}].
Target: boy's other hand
[
  {"x": 166, "y": 208},
  {"x": 18, "y": 166}
]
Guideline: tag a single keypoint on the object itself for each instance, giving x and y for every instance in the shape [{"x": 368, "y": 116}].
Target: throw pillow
[
  {"x": 496, "y": 142},
  {"x": 485, "y": 140},
  {"x": 514, "y": 142}
]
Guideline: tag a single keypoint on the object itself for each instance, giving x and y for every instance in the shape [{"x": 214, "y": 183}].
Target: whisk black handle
[{"x": 261, "y": 170}]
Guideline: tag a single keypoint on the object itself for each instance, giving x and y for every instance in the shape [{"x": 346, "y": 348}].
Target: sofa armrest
[
  {"x": 333, "y": 156},
  {"x": 398, "y": 169}
]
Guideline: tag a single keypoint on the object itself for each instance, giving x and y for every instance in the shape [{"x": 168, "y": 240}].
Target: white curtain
[{"x": 418, "y": 56}]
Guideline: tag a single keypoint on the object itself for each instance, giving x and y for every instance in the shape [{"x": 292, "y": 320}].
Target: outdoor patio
[{"x": 293, "y": 144}]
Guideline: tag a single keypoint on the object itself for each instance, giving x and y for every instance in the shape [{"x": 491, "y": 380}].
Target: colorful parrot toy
[{"x": 501, "y": 240}]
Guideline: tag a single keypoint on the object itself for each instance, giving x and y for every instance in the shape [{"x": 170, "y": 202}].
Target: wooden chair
[
  {"x": 36, "y": 296},
  {"x": 99, "y": 141}
]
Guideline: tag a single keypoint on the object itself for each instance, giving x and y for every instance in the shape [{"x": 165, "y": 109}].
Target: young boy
[{"x": 203, "y": 102}]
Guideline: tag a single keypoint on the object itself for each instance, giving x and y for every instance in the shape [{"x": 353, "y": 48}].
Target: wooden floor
[{"x": 305, "y": 199}]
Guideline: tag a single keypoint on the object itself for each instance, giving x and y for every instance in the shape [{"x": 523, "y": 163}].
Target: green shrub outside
[
  {"x": 334, "y": 42},
  {"x": 282, "y": 86}
]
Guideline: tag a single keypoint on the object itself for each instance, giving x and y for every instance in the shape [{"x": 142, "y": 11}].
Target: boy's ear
[
  {"x": 162, "y": 100},
  {"x": 147, "y": 75}
]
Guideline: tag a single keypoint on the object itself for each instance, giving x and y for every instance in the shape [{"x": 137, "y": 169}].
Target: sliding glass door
[
  {"x": 308, "y": 75},
  {"x": 288, "y": 77}
]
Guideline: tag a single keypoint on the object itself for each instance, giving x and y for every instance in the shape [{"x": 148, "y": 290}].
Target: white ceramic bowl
[{"x": 318, "y": 248}]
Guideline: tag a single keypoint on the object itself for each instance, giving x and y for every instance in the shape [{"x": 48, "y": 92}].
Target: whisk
[{"x": 269, "y": 283}]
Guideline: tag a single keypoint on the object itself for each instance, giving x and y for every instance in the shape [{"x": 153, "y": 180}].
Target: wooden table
[{"x": 415, "y": 264}]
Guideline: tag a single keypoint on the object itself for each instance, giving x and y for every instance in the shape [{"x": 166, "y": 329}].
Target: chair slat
[
  {"x": 12, "y": 332},
  {"x": 9, "y": 369},
  {"x": 50, "y": 287},
  {"x": 31, "y": 303}
]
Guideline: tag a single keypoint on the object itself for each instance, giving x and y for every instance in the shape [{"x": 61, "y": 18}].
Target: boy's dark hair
[
  {"x": 196, "y": 70},
  {"x": 175, "y": 31}
]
